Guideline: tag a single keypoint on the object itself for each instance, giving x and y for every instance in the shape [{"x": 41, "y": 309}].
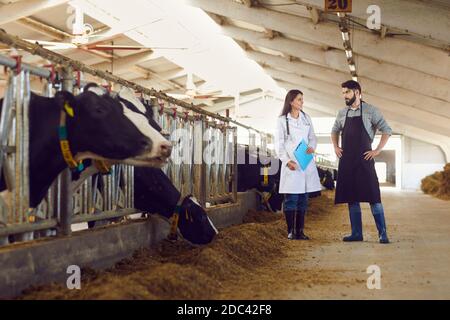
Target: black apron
[{"x": 357, "y": 179}]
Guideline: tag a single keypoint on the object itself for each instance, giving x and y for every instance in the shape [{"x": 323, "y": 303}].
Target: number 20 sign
[{"x": 338, "y": 6}]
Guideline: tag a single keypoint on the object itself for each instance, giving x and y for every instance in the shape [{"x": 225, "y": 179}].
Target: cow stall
[{"x": 203, "y": 165}]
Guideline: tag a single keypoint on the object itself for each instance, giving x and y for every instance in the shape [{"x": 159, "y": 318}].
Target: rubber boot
[
  {"x": 300, "y": 225},
  {"x": 290, "y": 215},
  {"x": 356, "y": 223},
  {"x": 381, "y": 226}
]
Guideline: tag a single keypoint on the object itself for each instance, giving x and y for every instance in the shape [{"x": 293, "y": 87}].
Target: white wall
[{"x": 420, "y": 159}]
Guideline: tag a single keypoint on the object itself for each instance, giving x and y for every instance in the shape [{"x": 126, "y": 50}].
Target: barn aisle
[{"x": 413, "y": 266}]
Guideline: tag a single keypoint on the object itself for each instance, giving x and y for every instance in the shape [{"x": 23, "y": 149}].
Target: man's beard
[{"x": 351, "y": 101}]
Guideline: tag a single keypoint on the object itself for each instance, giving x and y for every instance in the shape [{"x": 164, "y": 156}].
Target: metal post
[
  {"x": 66, "y": 205},
  {"x": 203, "y": 190},
  {"x": 235, "y": 165},
  {"x": 197, "y": 145}
]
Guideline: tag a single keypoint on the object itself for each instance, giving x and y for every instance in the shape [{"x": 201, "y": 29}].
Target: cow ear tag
[{"x": 68, "y": 109}]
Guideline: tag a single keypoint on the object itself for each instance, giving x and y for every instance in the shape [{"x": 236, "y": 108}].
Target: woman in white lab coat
[{"x": 293, "y": 126}]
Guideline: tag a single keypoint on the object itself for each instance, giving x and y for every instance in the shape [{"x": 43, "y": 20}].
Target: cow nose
[{"x": 165, "y": 149}]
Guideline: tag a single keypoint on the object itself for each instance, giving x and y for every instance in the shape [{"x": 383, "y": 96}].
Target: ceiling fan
[
  {"x": 83, "y": 32},
  {"x": 192, "y": 94}
]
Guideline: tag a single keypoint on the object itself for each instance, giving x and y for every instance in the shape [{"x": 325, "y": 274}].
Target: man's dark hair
[{"x": 351, "y": 84}]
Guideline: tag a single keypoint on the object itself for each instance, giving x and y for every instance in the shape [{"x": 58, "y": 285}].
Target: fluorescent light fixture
[
  {"x": 345, "y": 36},
  {"x": 355, "y": 78},
  {"x": 348, "y": 53},
  {"x": 352, "y": 67}
]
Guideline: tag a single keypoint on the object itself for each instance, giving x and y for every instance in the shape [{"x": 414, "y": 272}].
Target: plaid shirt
[{"x": 372, "y": 118}]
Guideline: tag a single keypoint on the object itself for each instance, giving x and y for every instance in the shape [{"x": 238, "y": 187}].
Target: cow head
[
  {"x": 194, "y": 223},
  {"x": 106, "y": 128}
]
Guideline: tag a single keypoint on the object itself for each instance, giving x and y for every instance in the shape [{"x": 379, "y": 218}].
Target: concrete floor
[{"x": 415, "y": 265}]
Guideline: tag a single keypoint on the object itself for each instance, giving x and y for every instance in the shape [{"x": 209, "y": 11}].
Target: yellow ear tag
[
  {"x": 68, "y": 109},
  {"x": 266, "y": 176}
]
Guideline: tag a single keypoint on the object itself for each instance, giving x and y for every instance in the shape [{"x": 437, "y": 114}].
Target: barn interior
[{"x": 235, "y": 60}]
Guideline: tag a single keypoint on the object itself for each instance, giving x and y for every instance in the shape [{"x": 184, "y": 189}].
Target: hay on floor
[{"x": 438, "y": 184}]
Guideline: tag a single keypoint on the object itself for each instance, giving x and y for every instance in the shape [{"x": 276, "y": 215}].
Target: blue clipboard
[{"x": 301, "y": 156}]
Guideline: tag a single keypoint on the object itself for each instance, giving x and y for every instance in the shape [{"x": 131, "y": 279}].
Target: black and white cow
[
  {"x": 326, "y": 178},
  {"x": 154, "y": 193},
  {"x": 100, "y": 127},
  {"x": 250, "y": 176}
]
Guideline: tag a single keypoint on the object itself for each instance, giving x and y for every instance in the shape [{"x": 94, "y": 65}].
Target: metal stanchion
[{"x": 66, "y": 205}]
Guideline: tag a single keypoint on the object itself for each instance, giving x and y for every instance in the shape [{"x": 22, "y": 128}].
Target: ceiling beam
[
  {"x": 153, "y": 83},
  {"x": 173, "y": 74},
  {"x": 388, "y": 73},
  {"x": 197, "y": 84},
  {"x": 122, "y": 64},
  {"x": 315, "y": 15},
  {"x": 44, "y": 29},
  {"x": 434, "y": 22},
  {"x": 247, "y": 3},
  {"x": 407, "y": 97},
  {"x": 20, "y": 9},
  {"x": 217, "y": 107},
  {"x": 59, "y": 35},
  {"x": 396, "y": 51},
  {"x": 217, "y": 19},
  {"x": 147, "y": 77},
  {"x": 155, "y": 75}
]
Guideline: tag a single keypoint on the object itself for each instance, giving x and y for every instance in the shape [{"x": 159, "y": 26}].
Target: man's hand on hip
[
  {"x": 338, "y": 151},
  {"x": 369, "y": 155}
]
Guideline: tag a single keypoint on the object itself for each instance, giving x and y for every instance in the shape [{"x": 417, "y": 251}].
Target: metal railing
[
  {"x": 204, "y": 161},
  {"x": 203, "y": 155}
]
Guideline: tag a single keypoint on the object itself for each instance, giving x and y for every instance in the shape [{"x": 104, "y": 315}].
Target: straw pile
[
  {"x": 181, "y": 271},
  {"x": 438, "y": 184}
]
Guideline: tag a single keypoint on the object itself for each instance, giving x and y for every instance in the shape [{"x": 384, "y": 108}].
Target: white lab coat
[{"x": 296, "y": 181}]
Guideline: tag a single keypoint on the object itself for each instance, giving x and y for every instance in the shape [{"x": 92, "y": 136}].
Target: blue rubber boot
[
  {"x": 378, "y": 216},
  {"x": 356, "y": 223}
]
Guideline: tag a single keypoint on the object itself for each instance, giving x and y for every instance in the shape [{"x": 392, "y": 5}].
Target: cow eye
[{"x": 100, "y": 111}]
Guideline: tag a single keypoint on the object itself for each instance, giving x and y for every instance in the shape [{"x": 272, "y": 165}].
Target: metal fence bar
[
  {"x": 66, "y": 200},
  {"x": 28, "y": 227},
  {"x": 56, "y": 58},
  {"x": 12, "y": 64},
  {"x": 213, "y": 182}
]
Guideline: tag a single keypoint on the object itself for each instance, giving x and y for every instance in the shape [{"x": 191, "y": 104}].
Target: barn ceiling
[{"x": 404, "y": 67}]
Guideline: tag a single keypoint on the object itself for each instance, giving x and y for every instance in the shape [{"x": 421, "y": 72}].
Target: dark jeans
[{"x": 297, "y": 202}]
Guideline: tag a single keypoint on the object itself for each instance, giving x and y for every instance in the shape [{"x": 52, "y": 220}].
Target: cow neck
[
  {"x": 66, "y": 150},
  {"x": 75, "y": 167},
  {"x": 46, "y": 160}
]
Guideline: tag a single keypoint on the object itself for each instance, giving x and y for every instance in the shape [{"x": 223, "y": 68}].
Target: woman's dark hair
[{"x": 290, "y": 96}]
